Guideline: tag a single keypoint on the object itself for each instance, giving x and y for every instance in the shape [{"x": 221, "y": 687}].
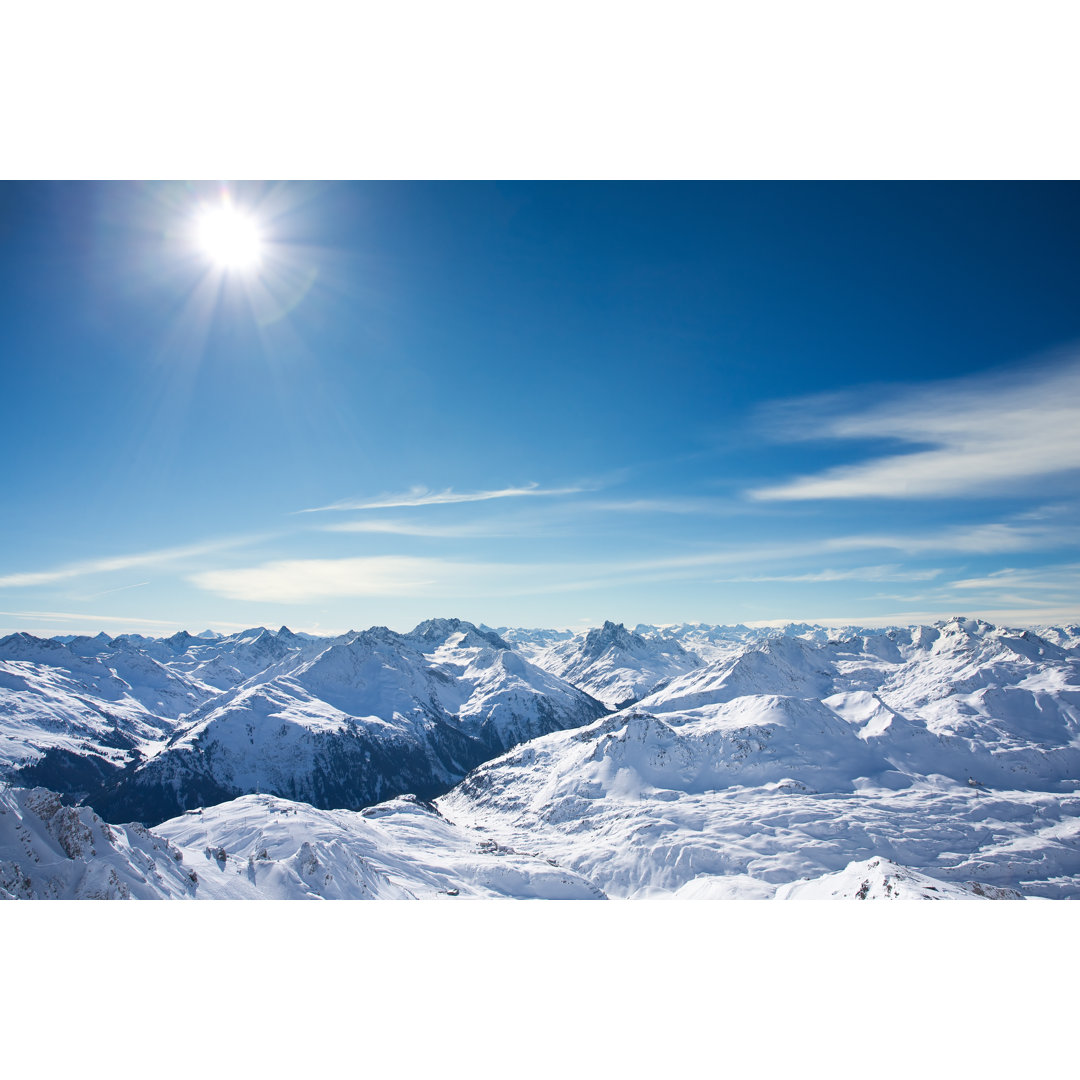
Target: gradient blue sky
[{"x": 540, "y": 404}]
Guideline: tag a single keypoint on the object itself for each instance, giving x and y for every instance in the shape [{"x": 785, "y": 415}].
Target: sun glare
[{"x": 229, "y": 238}]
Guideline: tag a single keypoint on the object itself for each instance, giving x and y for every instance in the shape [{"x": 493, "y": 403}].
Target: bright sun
[{"x": 229, "y": 237}]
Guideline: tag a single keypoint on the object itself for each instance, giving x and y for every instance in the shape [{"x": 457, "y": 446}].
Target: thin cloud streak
[
  {"x": 992, "y": 538},
  {"x": 985, "y": 434},
  {"x": 403, "y": 528},
  {"x": 421, "y": 496},
  {"x": 123, "y": 562},
  {"x": 1041, "y": 578},
  {"x": 859, "y": 573},
  {"x": 69, "y": 616},
  {"x": 688, "y": 505},
  {"x": 298, "y": 580},
  {"x": 107, "y": 592}
]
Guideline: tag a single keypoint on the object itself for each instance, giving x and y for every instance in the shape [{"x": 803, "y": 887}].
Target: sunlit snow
[{"x": 933, "y": 762}]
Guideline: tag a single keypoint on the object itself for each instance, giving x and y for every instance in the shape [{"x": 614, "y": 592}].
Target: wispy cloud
[
  {"x": 1058, "y": 578},
  {"x": 991, "y": 538},
  {"x": 858, "y": 573},
  {"x": 977, "y": 436},
  {"x": 83, "y": 617},
  {"x": 421, "y": 496},
  {"x": 405, "y": 528},
  {"x": 297, "y": 580},
  {"x": 107, "y": 592},
  {"x": 294, "y": 580},
  {"x": 123, "y": 562},
  {"x": 686, "y": 505}
]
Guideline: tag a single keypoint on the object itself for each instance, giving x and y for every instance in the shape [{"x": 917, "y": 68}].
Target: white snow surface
[
  {"x": 339, "y": 722},
  {"x": 953, "y": 750},
  {"x": 262, "y": 847},
  {"x": 882, "y": 879},
  {"x": 49, "y": 851},
  {"x": 54, "y": 697},
  {"x": 615, "y": 665},
  {"x": 924, "y": 762}
]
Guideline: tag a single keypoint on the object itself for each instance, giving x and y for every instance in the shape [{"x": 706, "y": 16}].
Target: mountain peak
[
  {"x": 611, "y": 636},
  {"x": 435, "y": 632}
]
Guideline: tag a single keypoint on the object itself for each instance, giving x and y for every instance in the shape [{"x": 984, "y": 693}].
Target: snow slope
[
  {"x": 882, "y": 879},
  {"x": 72, "y": 716},
  {"x": 614, "y": 665},
  {"x": 268, "y": 848},
  {"x": 262, "y": 847},
  {"x": 368, "y": 717},
  {"x": 627, "y": 805},
  {"x": 49, "y": 851},
  {"x": 780, "y": 763},
  {"x": 951, "y": 749}
]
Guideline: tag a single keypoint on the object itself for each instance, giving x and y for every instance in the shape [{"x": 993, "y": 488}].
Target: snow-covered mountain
[
  {"x": 49, "y": 851},
  {"x": 882, "y": 879},
  {"x": 343, "y": 722},
  {"x": 72, "y": 715},
  {"x": 529, "y": 642},
  {"x": 712, "y": 642},
  {"x": 615, "y": 665},
  {"x": 953, "y": 750},
  {"x": 920, "y": 762},
  {"x": 262, "y": 847}
]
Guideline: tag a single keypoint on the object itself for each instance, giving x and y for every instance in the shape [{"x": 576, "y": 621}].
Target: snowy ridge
[
  {"x": 73, "y": 715},
  {"x": 951, "y": 749},
  {"x": 339, "y": 723},
  {"x": 262, "y": 847},
  {"x": 614, "y": 665},
  {"x": 783, "y": 766},
  {"x": 49, "y": 851},
  {"x": 882, "y": 879},
  {"x": 268, "y": 848}
]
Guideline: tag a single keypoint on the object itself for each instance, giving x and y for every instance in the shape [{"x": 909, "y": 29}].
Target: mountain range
[{"x": 459, "y": 760}]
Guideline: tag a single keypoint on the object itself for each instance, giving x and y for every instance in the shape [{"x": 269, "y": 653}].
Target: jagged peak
[
  {"x": 962, "y": 624},
  {"x": 21, "y": 637},
  {"x": 611, "y": 635},
  {"x": 436, "y": 631},
  {"x": 377, "y": 635}
]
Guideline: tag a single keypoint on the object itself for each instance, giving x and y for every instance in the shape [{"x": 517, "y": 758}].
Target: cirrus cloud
[
  {"x": 976, "y": 436},
  {"x": 422, "y": 496}
]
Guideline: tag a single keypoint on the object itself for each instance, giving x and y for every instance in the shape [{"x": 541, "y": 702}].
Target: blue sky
[{"x": 540, "y": 404}]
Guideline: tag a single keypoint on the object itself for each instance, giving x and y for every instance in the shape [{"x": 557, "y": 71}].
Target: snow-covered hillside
[
  {"x": 882, "y": 879},
  {"x": 49, "y": 851},
  {"x": 262, "y": 847},
  {"x": 343, "y": 722},
  {"x": 615, "y": 665},
  {"x": 954, "y": 750},
  {"x": 793, "y": 762}
]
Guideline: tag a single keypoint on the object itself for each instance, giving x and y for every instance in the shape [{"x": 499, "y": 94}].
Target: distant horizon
[{"x": 883, "y": 622}]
